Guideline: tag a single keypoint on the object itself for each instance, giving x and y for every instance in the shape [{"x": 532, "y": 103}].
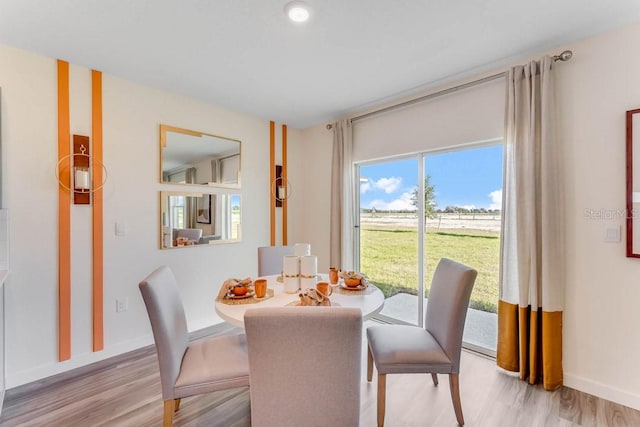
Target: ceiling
[{"x": 246, "y": 56}]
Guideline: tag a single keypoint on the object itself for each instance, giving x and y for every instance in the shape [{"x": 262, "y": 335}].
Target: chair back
[
  {"x": 190, "y": 233},
  {"x": 168, "y": 323},
  {"x": 304, "y": 366},
  {"x": 270, "y": 259},
  {"x": 447, "y": 306}
]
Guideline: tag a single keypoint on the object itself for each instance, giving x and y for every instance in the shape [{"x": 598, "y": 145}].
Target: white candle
[
  {"x": 82, "y": 179},
  {"x": 308, "y": 266},
  {"x": 290, "y": 266},
  {"x": 291, "y": 284},
  {"x": 302, "y": 249}
]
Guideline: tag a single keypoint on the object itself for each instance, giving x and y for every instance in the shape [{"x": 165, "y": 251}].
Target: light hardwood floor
[{"x": 125, "y": 391}]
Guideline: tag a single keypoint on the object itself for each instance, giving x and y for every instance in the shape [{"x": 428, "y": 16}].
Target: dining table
[{"x": 369, "y": 300}]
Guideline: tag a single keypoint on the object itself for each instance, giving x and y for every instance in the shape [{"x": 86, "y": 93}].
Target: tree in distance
[{"x": 429, "y": 198}]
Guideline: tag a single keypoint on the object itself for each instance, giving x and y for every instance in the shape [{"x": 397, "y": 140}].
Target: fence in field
[{"x": 441, "y": 221}]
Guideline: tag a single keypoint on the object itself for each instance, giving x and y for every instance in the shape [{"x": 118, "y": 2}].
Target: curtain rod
[{"x": 564, "y": 56}]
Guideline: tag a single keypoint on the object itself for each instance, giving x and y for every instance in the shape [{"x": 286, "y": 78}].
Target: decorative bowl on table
[
  {"x": 352, "y": 282},
  {"x": 352, "y": 279},
  {"x": 240, "y": 290}
]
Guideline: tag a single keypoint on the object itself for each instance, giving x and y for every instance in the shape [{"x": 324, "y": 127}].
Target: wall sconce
[
  {"x": 280, "y": 188},
  {"x": 78, "y": 167},
  {"x": 81, "y": 178}
]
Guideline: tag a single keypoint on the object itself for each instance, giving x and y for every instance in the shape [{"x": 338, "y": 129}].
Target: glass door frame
[
  {"x": 356, "y": 235},
  {"x": 420, "y": 156}
]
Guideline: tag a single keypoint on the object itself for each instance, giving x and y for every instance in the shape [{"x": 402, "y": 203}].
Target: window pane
[
  {"x": 464, "y": 195},
  {"x": 389, "y": 234}
]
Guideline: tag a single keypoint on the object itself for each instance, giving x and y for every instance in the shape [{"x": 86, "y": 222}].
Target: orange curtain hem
[
  {"x": 552, "y": 350},
  {"x": 508, "y": 354},
  {"x": 530, "y": 342}
]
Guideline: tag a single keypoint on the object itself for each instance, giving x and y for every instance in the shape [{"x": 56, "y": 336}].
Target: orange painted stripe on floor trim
[
  {"x": 285, "y": 183},
  {"x": 64, "y": 217},
  {"x": 97, "y": 211},
  {"x": 272, "y": 174}
]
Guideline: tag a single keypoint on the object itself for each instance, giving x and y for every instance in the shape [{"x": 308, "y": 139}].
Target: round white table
[{"x": 369, "y": 301}]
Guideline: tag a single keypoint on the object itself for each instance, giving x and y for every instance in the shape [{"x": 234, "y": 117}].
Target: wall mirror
[
  {"x": 195, "y": 219},
  {"x": 633, "y": 183},
  {"x": 192, "y": 157}
]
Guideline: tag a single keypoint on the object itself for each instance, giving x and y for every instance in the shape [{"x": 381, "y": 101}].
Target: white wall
[
  {"x": 601, "y": 335},
  {"x": 131, "y": 118},
  {"x": 602, "y": 339}
]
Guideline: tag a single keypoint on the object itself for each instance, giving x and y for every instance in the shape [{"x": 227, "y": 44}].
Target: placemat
[
  {"x": 366, "y": 291},
  {"x": 250, "y": 300}
]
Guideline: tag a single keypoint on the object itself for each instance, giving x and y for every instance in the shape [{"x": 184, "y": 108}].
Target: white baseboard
[
  {"x": 602, "y": 390},
  {"x": 19, "y": 378}
]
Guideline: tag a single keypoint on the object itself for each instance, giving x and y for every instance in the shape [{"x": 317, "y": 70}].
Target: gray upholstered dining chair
[
  {"x": 434, "y": 349},
  {"x": 270, "y": 259},
  {"x": 188, "y": 369},
  {"x": 304, "y": 365}
]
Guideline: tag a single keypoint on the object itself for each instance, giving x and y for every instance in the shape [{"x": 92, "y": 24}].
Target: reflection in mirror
[
  {"x": 190, "y": 157},
  {"x": 189, "y": 219},
  {"x": 633, "y": 183}
]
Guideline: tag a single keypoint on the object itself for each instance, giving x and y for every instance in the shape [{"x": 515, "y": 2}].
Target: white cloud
[
  {"x": 401, "y": 203},
  {"x": 388, "y": 185},
  {"x": 469, "y": 207},
  {"x": 496, "y": 199}
]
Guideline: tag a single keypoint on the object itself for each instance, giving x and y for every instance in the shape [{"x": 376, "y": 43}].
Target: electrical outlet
[{"x": 122, "y": 304}]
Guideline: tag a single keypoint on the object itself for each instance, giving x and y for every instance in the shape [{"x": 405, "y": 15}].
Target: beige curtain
[
  {"x": 342, "y": 200},
  {"x": 532, "y": 277}
]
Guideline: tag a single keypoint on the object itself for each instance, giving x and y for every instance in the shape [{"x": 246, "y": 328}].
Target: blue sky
[{"x": 469, "y": 178}]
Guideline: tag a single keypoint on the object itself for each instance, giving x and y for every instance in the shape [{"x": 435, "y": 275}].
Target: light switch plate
[
  {"x": 121, "y": 229},
  {"x": 612, "y": 234}
]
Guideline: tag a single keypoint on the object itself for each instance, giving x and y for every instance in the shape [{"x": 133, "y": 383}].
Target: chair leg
[
  {"x": 167, "y": 418},
  {"x": 455, "y": 397},
  {"x": 434, "y": 377},
  {"x": 382, "y": 391},
  {"x": 177, "y": 406},
  {"x": 369, "y": 365}
]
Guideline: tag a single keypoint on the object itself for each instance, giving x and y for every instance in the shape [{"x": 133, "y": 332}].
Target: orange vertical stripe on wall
[
  {"x": 64, "y": 216},
  {"x": 285, "y": 183},
  {"x": 272, "y": 176},
  {"x": 97, "y": 211}
]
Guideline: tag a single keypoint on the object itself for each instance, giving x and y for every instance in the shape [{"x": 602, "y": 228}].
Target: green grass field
[{"x": 389, "y": 258}]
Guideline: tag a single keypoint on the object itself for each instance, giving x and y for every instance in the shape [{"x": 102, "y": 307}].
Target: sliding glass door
[
  {"x": 464, "y": 199},
  {"x": 389, "y": 243},
  {"x": 416, "y": 210}
]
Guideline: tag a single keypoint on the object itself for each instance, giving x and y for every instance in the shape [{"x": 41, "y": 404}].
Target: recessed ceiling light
[{"x": 297, "y": 11}]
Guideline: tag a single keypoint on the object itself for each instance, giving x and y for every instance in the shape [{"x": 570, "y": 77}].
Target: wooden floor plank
[{"x": 125, "y": 391}]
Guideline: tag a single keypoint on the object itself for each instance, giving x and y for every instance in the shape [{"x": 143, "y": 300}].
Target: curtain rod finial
[
  {"x": 329, "y": 126},
  {"x": 564, "y": 56}
]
